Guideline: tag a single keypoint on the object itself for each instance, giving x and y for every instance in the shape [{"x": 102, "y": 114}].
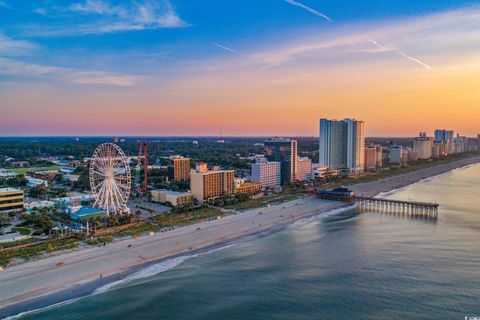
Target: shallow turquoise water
[{"x": 348, "y": 266}]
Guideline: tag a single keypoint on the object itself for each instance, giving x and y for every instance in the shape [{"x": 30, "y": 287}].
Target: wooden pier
[{"x": 408, "y": 208}]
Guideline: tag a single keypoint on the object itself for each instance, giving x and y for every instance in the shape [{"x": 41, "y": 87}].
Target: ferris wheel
[{"x": 110, "y": 178}]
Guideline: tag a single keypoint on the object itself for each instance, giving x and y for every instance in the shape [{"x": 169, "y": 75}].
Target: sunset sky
[{"x": 238, "y": 67}]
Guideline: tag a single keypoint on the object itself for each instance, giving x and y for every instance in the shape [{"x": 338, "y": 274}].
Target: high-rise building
[
  {"x": 181, "y": 168},
  {"x": 445, "y": 136},
  {"x": 461, "y": 144},
  {"x": 423, "y": 145},
  {"x": 342, "y": 144},
  {"x": 439, "y": 149},
  {"x": 370, "y": 157},
  {"x": 211, "y": 184},
  {"x": 11, "y": 199},
  {"x": 397, "y": 155},
  {"x": 304, "y": 166},
  {"x": 266, "y": 173},
  {"x": 379, "y": 152},
  {"x": 283, "y": 151}
]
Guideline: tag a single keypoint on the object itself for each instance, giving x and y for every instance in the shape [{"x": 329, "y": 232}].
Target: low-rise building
[
  {"x": 4, "y": 175},
  {"x": 82, "y": 213},
  {"x": 29, "y": 206},
  {"x": 45, "y": 174},
  {"x": 172, "y": 197},
  {"x": 412, "y": 155},
  {"x": 11, "y": 199},
  {"x": 34, "y": 182},
  {"x": 71, "y": 178},
  {"x": 248, "y": 187},
  {"x": 73, "y": 201}
]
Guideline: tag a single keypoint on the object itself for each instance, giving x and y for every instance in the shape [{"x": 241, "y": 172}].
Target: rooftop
[
  {"x": 2, "y": 190},
  {"x": 171, "y": 192}
]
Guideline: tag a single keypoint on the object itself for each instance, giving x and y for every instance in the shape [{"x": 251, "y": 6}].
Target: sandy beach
[
  {"x": 40, "y": 278},
  {"x": 373, "y": 188}
]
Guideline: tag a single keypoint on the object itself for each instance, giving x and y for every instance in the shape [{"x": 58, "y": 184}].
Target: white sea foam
[
  {"x": 59, "y": 304},
  {"x": 321, "y": 215},
  {"x": 147, "y": 272},
  {"x": 155, "y": 269}
]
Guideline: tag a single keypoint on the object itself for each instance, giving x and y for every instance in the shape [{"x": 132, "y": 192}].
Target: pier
[{"x": 408, "y": 208}]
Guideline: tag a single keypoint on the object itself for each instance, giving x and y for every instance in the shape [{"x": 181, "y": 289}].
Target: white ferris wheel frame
[{"x": 110, "y": 178}]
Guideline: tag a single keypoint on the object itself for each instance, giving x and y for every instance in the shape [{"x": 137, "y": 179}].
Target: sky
[{"x": 238, "y": 67}]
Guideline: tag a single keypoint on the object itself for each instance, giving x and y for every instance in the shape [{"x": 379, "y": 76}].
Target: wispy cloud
[
  {"x": 17, "y": 68},
  {"x": 400, "y": 52},
  {"x": 315, "y": 12},
  {"x": 11, "y": 46},
  {"x": 109, "y": 18}
]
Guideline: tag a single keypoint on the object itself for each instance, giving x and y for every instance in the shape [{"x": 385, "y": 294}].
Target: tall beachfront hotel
[
  {"x": 342, "y": 144},
  {"x": 283, "y": 151}
]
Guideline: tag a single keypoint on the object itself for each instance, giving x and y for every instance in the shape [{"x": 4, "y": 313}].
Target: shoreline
[{"x": 39, "y": 284}]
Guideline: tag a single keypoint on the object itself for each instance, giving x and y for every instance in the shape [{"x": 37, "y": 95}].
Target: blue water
[{"x": 347, "y": 266}]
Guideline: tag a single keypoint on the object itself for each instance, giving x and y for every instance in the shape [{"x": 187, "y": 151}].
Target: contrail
[
  {"x": 414, "y": 60},
  {"x": 224, "y": 48},
  {"x": 305, "y": 74},
  {"x": 315, "y": 12},
  {"x": 403, "y": 54}
]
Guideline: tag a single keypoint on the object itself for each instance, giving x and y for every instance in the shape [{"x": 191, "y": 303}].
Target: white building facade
[{"x": 267, "y": 173}]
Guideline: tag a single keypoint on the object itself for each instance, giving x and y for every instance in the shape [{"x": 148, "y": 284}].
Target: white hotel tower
[{"x": 342, "y": 144}]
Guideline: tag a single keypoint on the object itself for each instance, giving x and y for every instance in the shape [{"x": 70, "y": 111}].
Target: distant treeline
[{"x": 208, "y": 149}]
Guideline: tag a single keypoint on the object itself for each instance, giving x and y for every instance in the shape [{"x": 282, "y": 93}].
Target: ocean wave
[
  {"x": 333, "y": 212},
  {"x": 144, "y": 273},
  {"x": 155, "y": 269},
  {"x": 59, "y": 304}
]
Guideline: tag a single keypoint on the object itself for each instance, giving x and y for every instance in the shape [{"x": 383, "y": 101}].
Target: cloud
[
  {"x": 315, "y": 12},
  {"x": 438, "y": 36},
  {"x": 105, "y": 17},
  {"x": 400, "y": 52},
  {"x": 11, "y": 46},
  {"x": 17, "y": 68}
]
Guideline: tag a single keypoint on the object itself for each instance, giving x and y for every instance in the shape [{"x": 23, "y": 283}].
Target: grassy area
[
  {"x": 263, "y": 202},
  {"x": 24, "y": 170},
  {"x": 22, "y": 231},
  {"x": 136, "y": 230},
  {"x": 176, "y": 219},
  {"x": 168, "y": 221},
  {"x": 16, "y": 243},
  {"x": 422, "y": 164},
  {"x": 36, "y": 250}
]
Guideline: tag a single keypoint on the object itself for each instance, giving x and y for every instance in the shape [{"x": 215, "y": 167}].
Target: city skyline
[{"x": 163, "y": 68}]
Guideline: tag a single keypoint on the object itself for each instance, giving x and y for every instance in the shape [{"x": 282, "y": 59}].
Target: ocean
[{"x": 341, "y": 266}]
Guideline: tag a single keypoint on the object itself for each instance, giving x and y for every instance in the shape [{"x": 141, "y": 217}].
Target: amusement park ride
[
  {"x": 142, "y": 154},
  {"x": 110, "y": 176}
]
